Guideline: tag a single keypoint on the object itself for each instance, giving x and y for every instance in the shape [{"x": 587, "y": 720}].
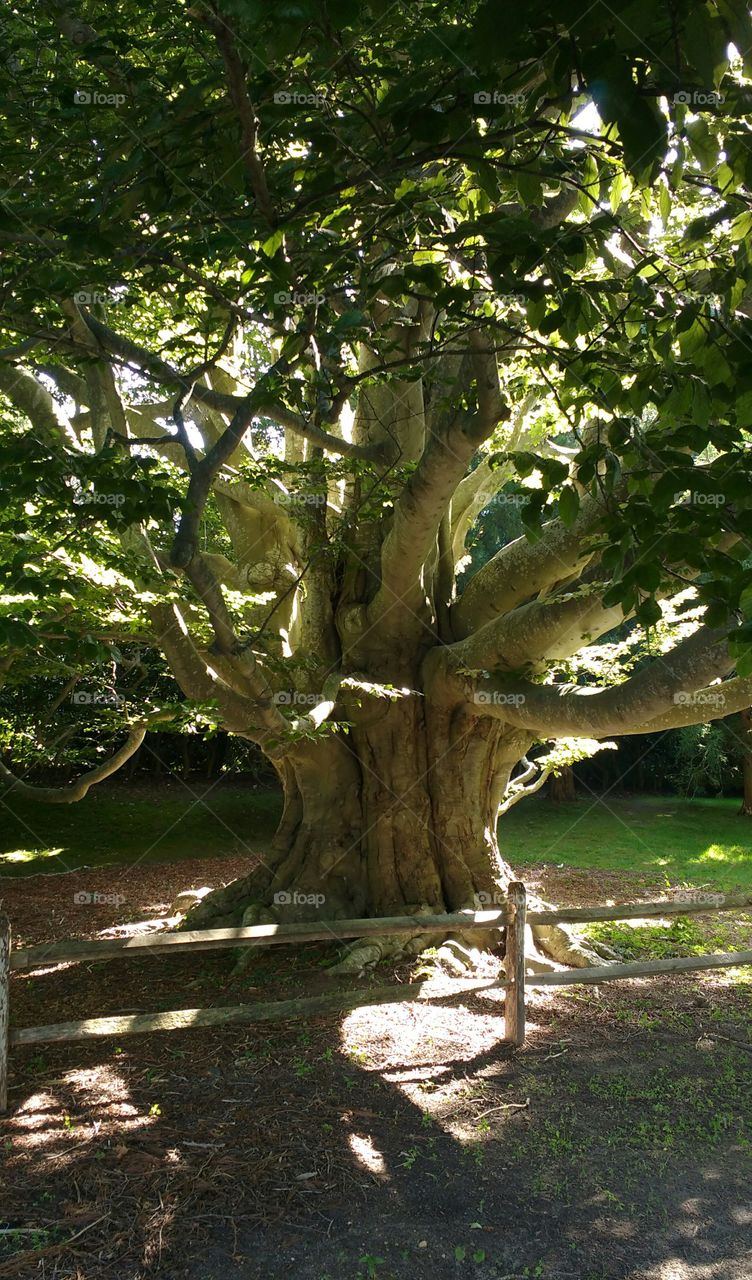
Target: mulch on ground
[{"x": 393, "y": 1142}]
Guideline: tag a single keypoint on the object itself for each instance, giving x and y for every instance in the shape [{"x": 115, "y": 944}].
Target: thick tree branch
[
  {"x": 521, "y": 570},
  {"x": 201, "y": 577},
  {"x": 588, "y": 711},
  {"x": 251, "y": 714},
  {"x": 428, "y": 493},
  {"x": 540, "y": 631},
  {"x": 105, "y": 406},
  {"x": 33, "y": 399},
  {"x": 713, "y": 702}
]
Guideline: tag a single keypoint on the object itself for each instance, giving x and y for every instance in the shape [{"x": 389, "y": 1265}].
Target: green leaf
[
  {"x": 703, "y": 142},
  {"x": 649, "y": 612},
  {"x": 569, "y": 505},
  {"x": 664, "y": 203},
  {"x": 270, "y": 246},
  {"x": 705, "y": 41},
  {"x": 648, "y": 576},
  {"x": 745, "y": 601}
]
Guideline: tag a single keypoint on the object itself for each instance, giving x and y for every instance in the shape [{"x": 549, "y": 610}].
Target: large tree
[{"x": 289, "y": 293}]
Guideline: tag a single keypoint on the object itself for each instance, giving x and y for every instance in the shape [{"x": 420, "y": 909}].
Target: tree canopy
[{"x": 290, "y": 291}]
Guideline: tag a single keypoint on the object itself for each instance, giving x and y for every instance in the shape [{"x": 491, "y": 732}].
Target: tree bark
[
  {"x": 561, "y": 787},
  {"x": 746, "y": 737},
  {"x": 396, "y": 817}
]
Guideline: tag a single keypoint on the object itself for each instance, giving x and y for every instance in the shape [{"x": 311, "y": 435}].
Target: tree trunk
[
  {"x": 396, "y": 817},
  {"x": 746, "y": 735},
  {"x": 561, "y": 788}
]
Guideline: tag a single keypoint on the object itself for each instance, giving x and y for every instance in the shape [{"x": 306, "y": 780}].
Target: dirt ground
[{"x": 394, "y": 1142}]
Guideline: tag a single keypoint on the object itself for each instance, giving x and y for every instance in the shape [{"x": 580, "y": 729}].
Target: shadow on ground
[{"x": 401, "y": 1141}]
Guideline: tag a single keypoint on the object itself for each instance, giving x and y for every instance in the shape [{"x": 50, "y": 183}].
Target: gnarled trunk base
[{"x": 396, "y": 818}]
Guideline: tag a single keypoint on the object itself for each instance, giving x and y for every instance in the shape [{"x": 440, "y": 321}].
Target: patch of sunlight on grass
[
  {"x": 722, "y": 853},
  {"x": 737, "y": 976},
  {"x": 29, "y": 855}
]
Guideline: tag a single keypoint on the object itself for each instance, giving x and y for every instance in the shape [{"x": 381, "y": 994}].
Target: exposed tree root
[
  {"x": 471, "y": 954},
  {"x": 547, "y": 946}
]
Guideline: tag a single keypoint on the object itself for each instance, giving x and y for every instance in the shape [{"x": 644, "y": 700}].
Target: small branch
[
  {"x": 78, "y": 789},
  {"x": 155, "y": 367},
  {"x": 236, "y": 80},
  {"x": 517, "y": 793}
]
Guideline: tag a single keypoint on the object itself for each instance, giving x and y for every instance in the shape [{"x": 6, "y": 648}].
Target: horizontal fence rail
[
  {"x": 265, "y": 935},
  {"x": 278, "y": 1011},
  {"x": 513, "y": 916}
]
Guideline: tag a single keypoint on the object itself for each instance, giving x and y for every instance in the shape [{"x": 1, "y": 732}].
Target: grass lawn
[
  {"x": 124, "y": 825},
  {"x": 697, "y": 841}
]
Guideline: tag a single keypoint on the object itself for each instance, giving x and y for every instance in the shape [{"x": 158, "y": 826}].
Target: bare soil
[{"x": 395, "y": 1142}]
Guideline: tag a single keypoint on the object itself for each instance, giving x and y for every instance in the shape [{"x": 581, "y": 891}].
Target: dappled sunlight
[
  {"x": 103, "y": 1108},
  {"x": 43, "y": 971},
  {"x": 724, "y": 853},
  {"x": 73, "y": 1145},
  {"x": 443, "y": 1060},
  {"x": 366, "y": 1154},
  {"x": 29, "y": 855},
  {"x": 731, "y": 977}
]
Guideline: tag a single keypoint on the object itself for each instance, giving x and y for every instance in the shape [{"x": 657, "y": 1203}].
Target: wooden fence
[{"x": 513, "y": 916}]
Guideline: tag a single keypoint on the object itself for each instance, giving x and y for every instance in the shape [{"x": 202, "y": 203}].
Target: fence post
[
  {"x": 514, "y": 1003},
  {"x": 4, "y": 1009}
]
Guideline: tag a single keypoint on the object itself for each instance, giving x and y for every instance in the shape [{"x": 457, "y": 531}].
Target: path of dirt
[{"x": 397, "y": 1142}]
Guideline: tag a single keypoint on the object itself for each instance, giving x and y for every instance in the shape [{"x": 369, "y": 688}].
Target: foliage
[
  {"x": 294, "y": 300},
  {"x": 706, "y": 760}
]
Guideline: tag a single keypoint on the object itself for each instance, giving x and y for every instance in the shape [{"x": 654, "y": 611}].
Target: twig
[
  {"x": 29, "y": 1255},
  {"x": 717, "y": 1035},
  {"x": 506, "y": 1106}
]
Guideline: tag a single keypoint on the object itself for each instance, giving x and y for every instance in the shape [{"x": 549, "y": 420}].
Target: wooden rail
[
  {"x": 513, "y": 916},
  {"x": 265, "y": 935}
]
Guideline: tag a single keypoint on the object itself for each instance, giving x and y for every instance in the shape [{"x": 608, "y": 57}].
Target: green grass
[
  {"x": 697, "y": 841},
  {"x": 692, "y": 841},
  {"x": 684, "y": 936},
  {"x": 122, "y": 826}
]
